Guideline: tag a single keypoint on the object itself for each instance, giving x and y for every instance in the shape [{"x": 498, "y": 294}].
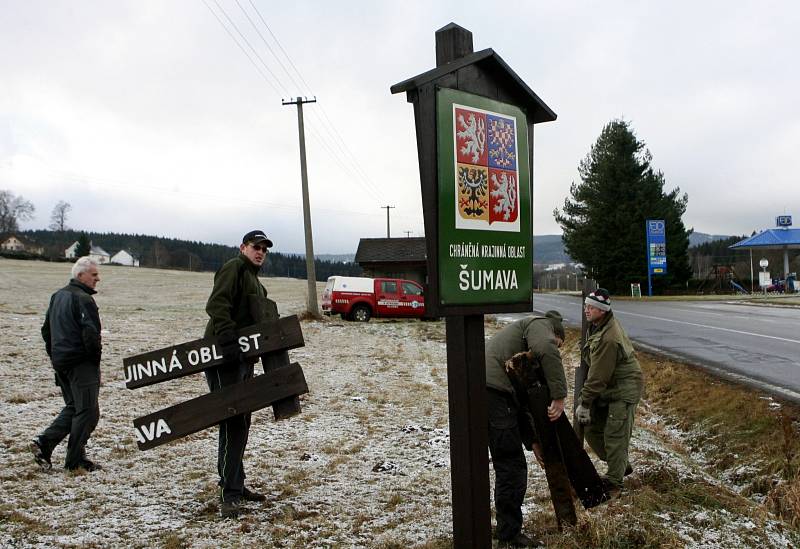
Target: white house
[
  {"x": 14, "y": 243},
  {"x": 99, "y": 254},
  {"x": 96, "y": 252},
  {"x": 69, "y": 253},
  {"x": 124, "y": 257}
]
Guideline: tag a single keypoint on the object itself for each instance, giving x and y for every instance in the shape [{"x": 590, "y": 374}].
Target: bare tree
[
  {"x": 58, "y": 219},
  {"x": 13, "y": 209}
]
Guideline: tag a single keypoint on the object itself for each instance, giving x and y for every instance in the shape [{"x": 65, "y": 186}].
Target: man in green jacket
[
  {"x": 540, "y": 337},
  {"x": 236, "y": 292},
  {"x": 612, "y": 388}
]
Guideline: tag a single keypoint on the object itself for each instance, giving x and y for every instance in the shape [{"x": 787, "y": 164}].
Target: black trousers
[
  {"x": 508, "y": 461},
  {"x": 80, "y": 388},
  {"x": 233, "y": 432}
]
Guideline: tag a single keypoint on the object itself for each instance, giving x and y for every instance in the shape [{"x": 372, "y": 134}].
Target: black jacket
[
  {"x": 71, "y": 329},
  {"x": 236, "y": 285}
]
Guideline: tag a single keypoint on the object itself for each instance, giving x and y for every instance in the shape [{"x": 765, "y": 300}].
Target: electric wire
[
  {"x": 353, "y": 173},
  {"x": 330, "y": 127},
  {"x": 255, "y": 28},
  {"x": 249, "y": 45},
  {"x": 258, "y": 69}
]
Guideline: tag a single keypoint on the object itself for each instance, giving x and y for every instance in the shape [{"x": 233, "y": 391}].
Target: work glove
[
  {"x": 229, "y": 346},
  {"x": 583, "y": 414}
]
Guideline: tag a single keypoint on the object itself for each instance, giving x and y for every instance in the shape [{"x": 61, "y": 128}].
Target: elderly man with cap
[
  {"x": 539, "y": 337},
  {"x": 611, "y": 391},
  {"x": 230, "y": 306}
]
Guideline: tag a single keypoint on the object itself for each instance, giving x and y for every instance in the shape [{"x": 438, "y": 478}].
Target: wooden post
[
  {"x": 485, "y": 86},
  {"x": 469, "y": 434},
  {"x": 311, "y": 274},
  {"x": 466, "y": 385}
]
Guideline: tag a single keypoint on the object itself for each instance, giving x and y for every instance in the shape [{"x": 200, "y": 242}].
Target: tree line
[{"x": 173, "y": 253}]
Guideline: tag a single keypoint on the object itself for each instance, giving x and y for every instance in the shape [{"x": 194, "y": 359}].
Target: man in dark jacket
[
  {"x": 540, "y": 337},
  {"x": 71, "y": 334},
  {"x": 237, "y": 293}
]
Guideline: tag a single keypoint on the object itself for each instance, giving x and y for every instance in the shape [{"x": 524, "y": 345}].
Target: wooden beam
[
  {"x": 198, "y": 355},
  {"x": 205, "y": 411}
]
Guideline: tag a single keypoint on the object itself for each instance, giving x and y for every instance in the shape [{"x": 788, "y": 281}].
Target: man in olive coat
[
  {"x": 235, "y": 294},
  {"x": 540, "y": 337},
  {"x": 612, "y": 388}
]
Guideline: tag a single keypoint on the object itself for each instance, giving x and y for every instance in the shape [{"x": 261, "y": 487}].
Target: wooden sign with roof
[{"x": 474, "y": 121}]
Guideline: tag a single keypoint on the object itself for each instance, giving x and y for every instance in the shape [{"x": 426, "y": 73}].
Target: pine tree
[
  {"x": 84, "y": 246},
  {"x": 603, "y": 219}
]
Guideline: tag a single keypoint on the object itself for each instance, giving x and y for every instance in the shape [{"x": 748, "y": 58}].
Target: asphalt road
[{"x": 757, "y": 345}]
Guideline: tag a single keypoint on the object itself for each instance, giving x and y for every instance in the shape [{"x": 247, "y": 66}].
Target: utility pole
[
  {"x": 387, "y": 208},
  {"x": 311, "y": 274}
]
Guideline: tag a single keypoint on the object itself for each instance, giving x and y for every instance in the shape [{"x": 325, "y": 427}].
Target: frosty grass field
[{"x": 366, "y": 464}]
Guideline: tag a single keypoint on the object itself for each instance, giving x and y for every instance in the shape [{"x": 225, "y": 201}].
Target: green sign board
[{"x": 485, "y": 250}]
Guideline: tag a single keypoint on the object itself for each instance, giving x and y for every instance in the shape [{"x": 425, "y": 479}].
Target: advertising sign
[
  {"x": 656, "y": 247},
  {"x": 484, "y": 209}
]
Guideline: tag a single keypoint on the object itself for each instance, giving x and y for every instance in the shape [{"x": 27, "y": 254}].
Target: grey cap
[{"x": 556, "y": 319}]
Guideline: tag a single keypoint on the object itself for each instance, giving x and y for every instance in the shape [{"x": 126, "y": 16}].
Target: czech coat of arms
[{"x": 486, "y": 169}]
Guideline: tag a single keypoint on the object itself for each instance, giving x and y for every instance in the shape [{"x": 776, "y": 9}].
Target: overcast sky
[{"x": 147, "y": 117}]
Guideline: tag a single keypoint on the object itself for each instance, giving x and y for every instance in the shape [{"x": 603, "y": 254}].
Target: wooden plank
[
  {"x": 560, "y": 446},
  {"x": 205, "y": 411},
  {"x": 469, "y": 435},
  {"x": 198, "y": 355},
  {"x": 262, "y": 310}
]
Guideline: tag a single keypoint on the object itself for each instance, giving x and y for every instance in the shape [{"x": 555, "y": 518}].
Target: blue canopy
[{"x": 778, "y": 238}]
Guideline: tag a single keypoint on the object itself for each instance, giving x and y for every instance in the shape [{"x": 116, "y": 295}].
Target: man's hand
[
  {"x": 583, "y": 414},
  {"x": 229, "y": 346},
  {"x": 537, "y": 453},
  {"x": 519, "y": 359},
  {"x": 555, "y": 409}
]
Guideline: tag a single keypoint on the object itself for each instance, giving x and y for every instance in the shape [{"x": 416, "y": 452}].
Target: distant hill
[
  {"x": 696, "y": 239},
  {"x": 549, "y": 248}
]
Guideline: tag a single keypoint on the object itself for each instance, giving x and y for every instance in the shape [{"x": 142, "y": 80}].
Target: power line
[
  {"x": 281, "y": 47},
  {"x": 355, "y": 171},
  {"x": 331, "y": 127},
  {"x": 249, "y": 45},
  {"x": 264, "y": 76},
  {"x": 267, "y": 43}
]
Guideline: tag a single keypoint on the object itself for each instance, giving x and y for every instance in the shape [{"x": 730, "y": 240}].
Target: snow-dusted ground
[{"x": 366, "y": 464}]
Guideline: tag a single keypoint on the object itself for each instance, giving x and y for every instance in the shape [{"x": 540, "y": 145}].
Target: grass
[{"x": 745, "y": 436}]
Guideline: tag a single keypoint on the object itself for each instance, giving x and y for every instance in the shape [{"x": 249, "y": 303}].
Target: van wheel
[{"x": 361, "y": 313}]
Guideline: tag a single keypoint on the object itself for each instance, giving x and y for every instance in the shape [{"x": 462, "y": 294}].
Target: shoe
[
  {"x": 230, "y": 509},
  {"x": 612, "y": 490},
  {"x": 628, "y": 470},
  {"x": 521, "y": 540},
  {"x": 41, "y": 456},
  {"x": 86, "y": 465},
  {"x": 249, "y": 495}
]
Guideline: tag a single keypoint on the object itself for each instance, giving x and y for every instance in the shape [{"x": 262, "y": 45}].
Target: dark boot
[
  {"x": 521, "y": 540},
  {"x": 40, "y": 454},
  {"x": 249, "y": 495}
]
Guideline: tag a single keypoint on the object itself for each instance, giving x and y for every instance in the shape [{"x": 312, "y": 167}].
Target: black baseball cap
[{"x": 256, "y": 236}]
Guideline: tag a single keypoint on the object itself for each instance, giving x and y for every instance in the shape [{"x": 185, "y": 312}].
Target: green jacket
[
  {"x": 236, "y": 284},
  {"x": 614, "y": 372},
  {"x": 535, "y": 334}
]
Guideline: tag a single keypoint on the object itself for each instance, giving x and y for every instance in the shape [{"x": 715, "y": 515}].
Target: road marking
[{"x": 710, "y": 327}]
